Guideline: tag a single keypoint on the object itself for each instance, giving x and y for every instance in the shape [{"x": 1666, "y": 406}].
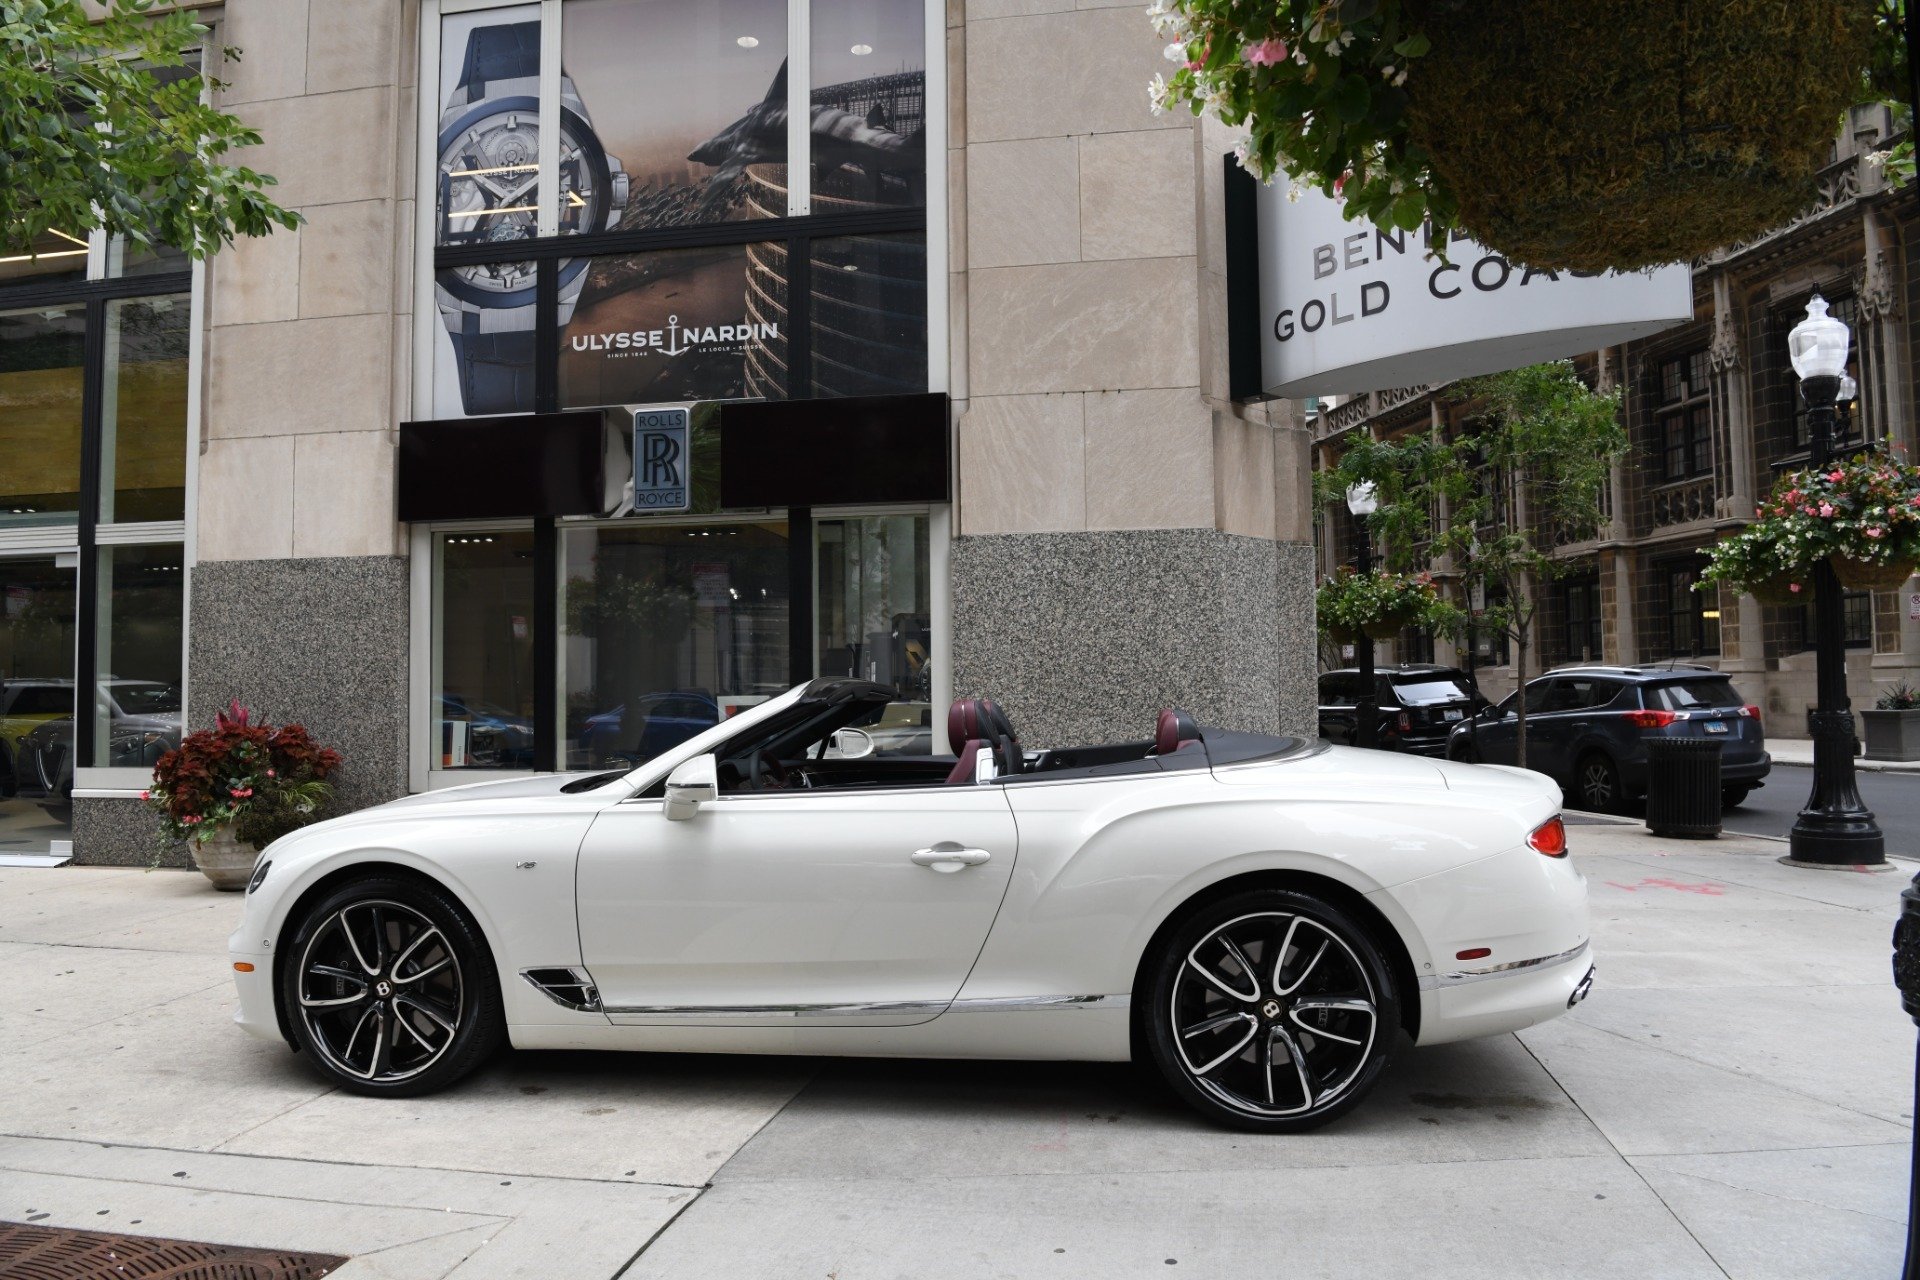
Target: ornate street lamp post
[
  {"x": 1835, "y": 827},
  {"x": 1362, "y": 502}
]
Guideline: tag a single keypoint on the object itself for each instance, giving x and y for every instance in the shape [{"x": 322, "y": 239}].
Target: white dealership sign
[{"x": 1346, "y": 308}]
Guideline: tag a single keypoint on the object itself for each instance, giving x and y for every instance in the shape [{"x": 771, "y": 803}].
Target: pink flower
[
  {"x": 269, "y": 773},
  {"x": 1876, "y": 532},
  {"x": 1794, "y": 587},
  {"x": 1836, "y": 475},
  {"x": 1826, "y": 509},
  {"x": 1267, "y": 53},
  {"x": 1339, "y": 183},
  {"x": 146, "y": 795}
]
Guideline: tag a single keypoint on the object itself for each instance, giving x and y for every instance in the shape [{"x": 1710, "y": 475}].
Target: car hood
[{"x": 545, "y": 784}]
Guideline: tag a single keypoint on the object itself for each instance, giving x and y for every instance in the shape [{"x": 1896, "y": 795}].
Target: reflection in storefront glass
[
  {"x": 36, "y": 689},
  {"x": 143, "y": 428},
  {"x": 875, "y": 619},
  {"x": 869, "y": 104},
  {"x": 870, "y": 315},
  {"x": 679, "y": 108},
  {"x": 669, "y": 629},
  {"x": 483, "y": 660},
  {"x": 137, "y": 705},
  {"x": 41, "y": 356},
  {"x": 680, "y": 324},
  {"x": 54, "y": 255}
]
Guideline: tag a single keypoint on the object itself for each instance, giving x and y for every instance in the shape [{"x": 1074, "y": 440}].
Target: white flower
[
  {"x": 1157, "y": 94},
  {"x": 1401, "y": 78},
  {"x": 1175, "y": 52},
  {"x": 1293, "y": 193}
]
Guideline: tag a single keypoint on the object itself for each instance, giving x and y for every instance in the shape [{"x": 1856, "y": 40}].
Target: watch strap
[
  {"x": 504, "y": 51},
  {"x": 496, "y": 369}
]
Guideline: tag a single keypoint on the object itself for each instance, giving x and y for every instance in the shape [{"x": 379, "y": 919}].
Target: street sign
[
  {"x": 1913, "y": 607},
  {"x": 661, "y": 461}
]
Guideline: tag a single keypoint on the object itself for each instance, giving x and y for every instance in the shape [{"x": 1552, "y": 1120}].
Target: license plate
[
  {"x": 1454, "y": 715},
  {"x": 1716, "y": 726}
]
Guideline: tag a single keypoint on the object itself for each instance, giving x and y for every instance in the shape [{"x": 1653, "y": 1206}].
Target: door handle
[{"x": 950, "y": 858}]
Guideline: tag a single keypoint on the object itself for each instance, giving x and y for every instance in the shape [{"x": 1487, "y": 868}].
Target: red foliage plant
[{"x": 216, "y": 775}]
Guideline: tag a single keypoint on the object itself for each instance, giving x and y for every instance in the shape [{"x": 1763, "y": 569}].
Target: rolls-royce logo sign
[
  {"x": 1346, "y": 308},
  {"x": 677, "y": 339},
  {"x": 660, "y": 460}
]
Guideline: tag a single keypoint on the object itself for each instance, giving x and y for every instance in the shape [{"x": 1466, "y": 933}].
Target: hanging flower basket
[
  {"x": 1871, "y": 575},
  {"x": 1379, "y": 605},
  {"x": 1782, "y": 589},
  {"x": 1585, "y": 136}
]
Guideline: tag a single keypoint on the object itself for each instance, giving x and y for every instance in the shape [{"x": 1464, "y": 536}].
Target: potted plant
[
  {"x": 1893, "y": 725},
  {"x": 1862, "y": 516},
  {"x": 1752, "y": 561},
  {"x": 1380, "y": 604},
  {"x": 229, "y": 791}
]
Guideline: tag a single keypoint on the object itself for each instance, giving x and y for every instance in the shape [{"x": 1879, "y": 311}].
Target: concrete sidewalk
[
  {"x": 1800, "y": 751},
  {"x": 1732, "y": 1101}
]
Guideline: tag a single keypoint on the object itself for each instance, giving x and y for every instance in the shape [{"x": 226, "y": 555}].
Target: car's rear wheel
[
  {"x": 1597, "y": 784},
  {"x": 1734, "y": 797},
  {"x": 1463, "y": 751},
  {"x": 390, "y": 989},
  {"x": 1272, "y": 1011}
]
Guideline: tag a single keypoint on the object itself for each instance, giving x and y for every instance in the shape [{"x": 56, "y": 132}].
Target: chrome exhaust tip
[{"x": 1582, "y": 987}]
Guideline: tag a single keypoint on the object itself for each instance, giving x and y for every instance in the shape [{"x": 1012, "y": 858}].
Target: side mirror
[
  {"x": 693, "y": 783},
  {"x": 850, "y": 744}
]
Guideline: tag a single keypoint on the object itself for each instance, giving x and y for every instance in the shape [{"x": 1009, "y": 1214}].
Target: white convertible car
[{"x": 1261, "y": 916}]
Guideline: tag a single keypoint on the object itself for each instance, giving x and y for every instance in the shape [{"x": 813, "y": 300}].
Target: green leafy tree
[
  {"x": 102, "y": 125},
  {"x": 1527, "y": 471}
]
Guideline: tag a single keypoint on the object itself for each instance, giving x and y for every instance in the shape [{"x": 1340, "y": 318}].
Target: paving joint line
[{"x": 1773, "y": 1195}]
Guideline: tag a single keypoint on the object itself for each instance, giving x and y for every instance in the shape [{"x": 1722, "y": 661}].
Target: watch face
[
  {"x": 586, "y": 184},
  {"x": 490, "y": 173}
]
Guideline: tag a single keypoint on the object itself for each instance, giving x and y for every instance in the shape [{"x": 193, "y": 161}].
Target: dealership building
[{"x": 632, "y": 361}]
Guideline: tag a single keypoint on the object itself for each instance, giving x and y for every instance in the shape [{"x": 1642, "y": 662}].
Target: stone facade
[{"x": 1680, "y": 490}]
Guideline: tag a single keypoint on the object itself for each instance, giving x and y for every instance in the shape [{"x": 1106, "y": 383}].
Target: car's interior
[{"x": 816, "y": 745}]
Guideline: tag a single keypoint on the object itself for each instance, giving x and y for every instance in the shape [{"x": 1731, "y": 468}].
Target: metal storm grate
[{"x": 52, "y": 1253}]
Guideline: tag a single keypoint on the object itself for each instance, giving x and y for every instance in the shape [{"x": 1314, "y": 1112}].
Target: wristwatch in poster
[{"x": 488, "y": 191}]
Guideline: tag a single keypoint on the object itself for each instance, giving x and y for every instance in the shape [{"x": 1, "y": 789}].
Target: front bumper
[{"x": 256, "y": 1014}]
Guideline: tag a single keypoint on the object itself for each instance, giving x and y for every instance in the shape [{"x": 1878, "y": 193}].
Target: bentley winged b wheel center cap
[{"x": 1271, "y": 1009}]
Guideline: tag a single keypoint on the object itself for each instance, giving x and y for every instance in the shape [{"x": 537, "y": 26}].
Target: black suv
[
  {"x": 1588, "y": 729},
  {"x": 1418, "y": 704}
]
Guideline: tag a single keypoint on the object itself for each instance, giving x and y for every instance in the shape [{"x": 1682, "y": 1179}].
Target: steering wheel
[{"x": 766, "y": 773}]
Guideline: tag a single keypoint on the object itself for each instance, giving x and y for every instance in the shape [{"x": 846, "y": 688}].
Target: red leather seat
[
  {"x": 963, "y": 732},
  {"x": 1174, "y": 731}
]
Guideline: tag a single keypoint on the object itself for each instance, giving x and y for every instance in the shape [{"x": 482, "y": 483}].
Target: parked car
[
  {"x": 143, "y": 724},
  {"x": 1419, "y": 705},
  {"x": 657, "y": 722},
  {"x": 1588, "y": 728},
  {"x": 495, "y": 736},
  {"x": 25, "y": 705},
  {"x": 1261, "y": 917}
]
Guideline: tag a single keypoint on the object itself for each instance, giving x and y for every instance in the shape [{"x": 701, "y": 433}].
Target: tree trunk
[{"x": 1520, "y": 696}]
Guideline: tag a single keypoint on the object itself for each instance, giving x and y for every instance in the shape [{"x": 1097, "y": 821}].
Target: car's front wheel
[
  {"x": 390, "y": 988},
  {"x": 1272, "y": 1011},
  {"x": 1734, "y": 797}
]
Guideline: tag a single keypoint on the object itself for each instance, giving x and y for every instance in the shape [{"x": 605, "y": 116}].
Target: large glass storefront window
[
  {"x": 875, "y": 619},
  {"x": 137, "y": 631},
  {"x": 483, "y": 682},
  {"x": 668, "y": 630},
  {"x": 143, "y": 411},
  {"x": 37, "y": 616},
  {"x": 42, "y": 377}
]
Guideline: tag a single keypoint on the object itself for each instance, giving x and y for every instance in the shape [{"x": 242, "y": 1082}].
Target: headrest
[
  {"x": 963, "y": 722},
  {"x": 1175, "y": 730},
  {"x": 994, "y": 722}
]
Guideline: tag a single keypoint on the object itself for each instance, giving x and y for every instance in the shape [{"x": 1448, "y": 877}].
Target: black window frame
[
  {"x": 1683, "y": 417},
  {"x": 1856, "y": 621},
  {"x": 1583, "y": 589},
  {"x": 1687, "y": 612}
]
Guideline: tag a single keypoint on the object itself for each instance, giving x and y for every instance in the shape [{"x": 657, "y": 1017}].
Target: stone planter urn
[
  {"x": 224, "y": 860},
  {"x": 1892, "y": 735}
]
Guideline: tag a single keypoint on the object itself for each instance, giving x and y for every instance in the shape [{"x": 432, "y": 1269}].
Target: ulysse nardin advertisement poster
[
  {"x": 670, "y": 115},
  {"x": 1347, "y": 308}
]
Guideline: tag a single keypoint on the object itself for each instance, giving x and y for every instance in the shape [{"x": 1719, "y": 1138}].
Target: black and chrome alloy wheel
[
  {"x": 389, "y": 989},
  {"x": 1599, "y": 784},
  {"x": 1272, "y": 1011}
]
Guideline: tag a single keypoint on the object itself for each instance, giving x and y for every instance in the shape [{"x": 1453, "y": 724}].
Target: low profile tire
[
  {"x": 1463, "y": 752},
  {"x": 1596, "y": 784},
  {"x": 1734, "y": 797},
  {"x": 390, "y": 989},
  {"x": 1271, "y": 1011}
]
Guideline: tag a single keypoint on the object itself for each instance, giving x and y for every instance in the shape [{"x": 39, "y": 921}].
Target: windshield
[
  {"x": 1429, "y": 689},
  {"x": 1691, "y": 695},
  {"x": 146, "y": 699}
]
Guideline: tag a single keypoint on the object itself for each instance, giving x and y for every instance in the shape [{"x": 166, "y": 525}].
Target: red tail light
[
  {"x": 1406, "y": 722},
  {"x": 1752, "y": 712},
  {"x": 1651, "y": 719},
  {"x": 1550, "y": 838}
]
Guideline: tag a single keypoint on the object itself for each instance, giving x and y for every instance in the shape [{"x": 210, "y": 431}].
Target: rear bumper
[
  {"x": 1747, "y": 772},
  {"x": 1460, "y": 1007}
]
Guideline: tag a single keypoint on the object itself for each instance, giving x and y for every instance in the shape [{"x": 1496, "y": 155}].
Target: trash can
[{"x": 1683, "y": 787}]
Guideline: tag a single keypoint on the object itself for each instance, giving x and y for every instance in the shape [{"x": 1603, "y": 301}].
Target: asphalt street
[{"x": 1893, "y": 797}]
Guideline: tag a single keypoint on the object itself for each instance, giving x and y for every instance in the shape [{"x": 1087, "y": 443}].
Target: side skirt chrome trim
[
  {"x": 874, "y": 1010},
  {"x": 568, "y": 986},
  {"x": 1512, "y": 968}
]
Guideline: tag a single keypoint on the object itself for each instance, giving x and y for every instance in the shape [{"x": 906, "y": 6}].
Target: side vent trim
[{"x": 568, "y": 987}]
